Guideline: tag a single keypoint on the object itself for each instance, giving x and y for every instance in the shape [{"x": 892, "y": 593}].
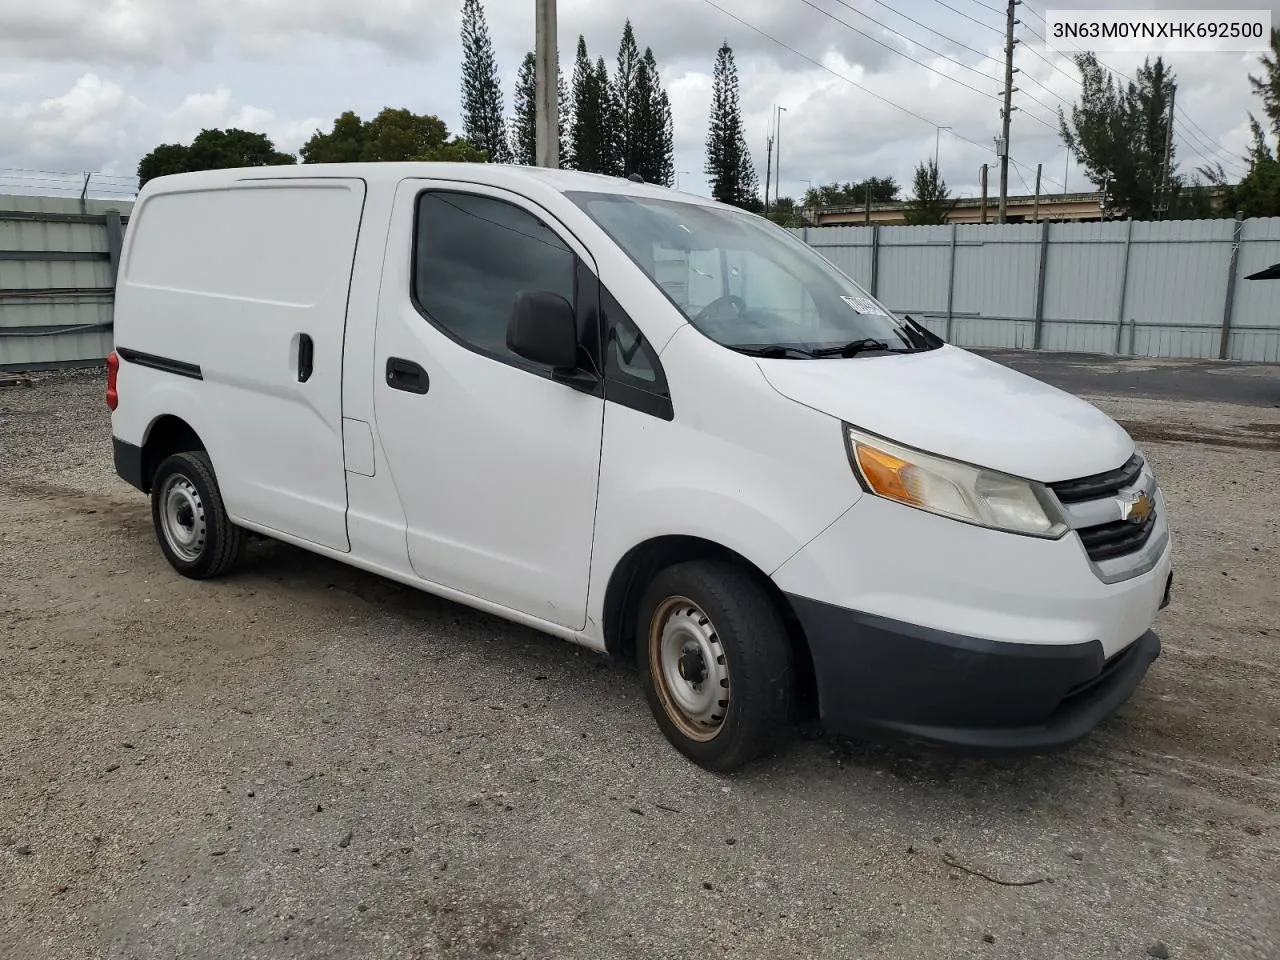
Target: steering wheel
[
  {"x": 715, "y": 308},
  {"x": 738, "y": 304}
]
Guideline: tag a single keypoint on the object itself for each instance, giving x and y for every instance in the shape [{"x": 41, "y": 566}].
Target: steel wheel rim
[
  {"x": 182, "y": 518},
  {"x": 689, "y": 667}
]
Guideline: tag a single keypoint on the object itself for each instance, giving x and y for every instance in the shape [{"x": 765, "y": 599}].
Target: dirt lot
[{"x": 306, "y": 761}]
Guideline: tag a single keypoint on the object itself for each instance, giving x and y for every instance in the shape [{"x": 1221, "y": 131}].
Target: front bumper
[{"x": 877, "y": 676}]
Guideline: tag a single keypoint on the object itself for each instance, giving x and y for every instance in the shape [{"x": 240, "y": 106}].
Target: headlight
[{"x": 951, "y": 488}]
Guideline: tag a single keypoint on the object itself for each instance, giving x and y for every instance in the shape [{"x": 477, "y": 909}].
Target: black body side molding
[{"x": 179, "y": 367}]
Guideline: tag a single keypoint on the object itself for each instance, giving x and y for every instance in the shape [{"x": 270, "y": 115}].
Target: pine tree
[
  {"x": 564, "y": 115},
  {"x": 667, "y": 144},
  {"x": 524, "y": 125},
  {"x": 630, "y": 102},
  {"x": 610, "y": 122},
  {"x": 482, "y": 114},
  {"x": 641, "y": 135},
  {"x": 660, "y": 133},
  {"x": 932, "y": 202},
  {"x": 586, "y": 135},
  {"x": 733, "y": 176}
]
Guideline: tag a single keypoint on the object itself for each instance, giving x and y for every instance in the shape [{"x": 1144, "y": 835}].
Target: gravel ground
[{"x": 306, "y": 761}]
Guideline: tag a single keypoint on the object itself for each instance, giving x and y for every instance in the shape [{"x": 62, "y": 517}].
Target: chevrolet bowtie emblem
[{"x": 1136, "y": 508}]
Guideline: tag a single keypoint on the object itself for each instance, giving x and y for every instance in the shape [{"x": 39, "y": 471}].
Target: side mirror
[{"x": 544, "y": 329}]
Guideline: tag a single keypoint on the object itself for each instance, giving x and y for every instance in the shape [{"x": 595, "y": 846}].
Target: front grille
[
  {"x": 1116, "y": 539},
  {"x": 1100, "y": 484}
]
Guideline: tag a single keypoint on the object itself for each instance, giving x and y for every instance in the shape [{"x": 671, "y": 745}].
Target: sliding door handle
[
  {"x": 306, "y": 357},
  {"x": 406, "y": 375}
]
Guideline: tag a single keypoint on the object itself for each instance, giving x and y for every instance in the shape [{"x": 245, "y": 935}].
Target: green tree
[
  {"x": 882, "y": 189},
  {"x": 610, "y": 122},
  {"x": 653, "y": 123},
  {"x": 591, "y": 145},
  {"x": 1118, "y": 132},
  {"x": 1268, "y": 85},
  {"x": 784, "y": 212},
  {"x": 394, "y": 135},
  {"x": 932, "y": 201},
  {"x": 630, "y": 94},
  {"x": 212, "y": 149},
  {"x": 482, "y": 113},
  {"x": 1258, "y": 193},
  {"x": 524, "y": 125},
  {"x": 733, "y": 176},
  {"x": 166, "y": 159}
]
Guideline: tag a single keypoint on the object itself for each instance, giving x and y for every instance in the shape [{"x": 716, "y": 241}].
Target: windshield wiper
[
  {"x": 852, "y": 348},
  {"x": 773, "y": 351}
]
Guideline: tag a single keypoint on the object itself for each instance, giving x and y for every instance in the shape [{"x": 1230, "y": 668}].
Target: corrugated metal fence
[
  {"x": 1164, "y": 289},
  {"x": 1168, "y": 289},
  {"x": 58, "y": 260}
]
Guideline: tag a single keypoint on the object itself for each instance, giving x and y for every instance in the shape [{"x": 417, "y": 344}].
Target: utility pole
[
  {"x": 768, "y": 165},
  {"x": 777, "y": 186},
  {"x": 546, "y": 71},
  {"x": 1035, "y": 210},
  {"x": 984, "y": 193},
  {"x": 1162, "y": 202},
  {"x": 1007, "y": 111}
]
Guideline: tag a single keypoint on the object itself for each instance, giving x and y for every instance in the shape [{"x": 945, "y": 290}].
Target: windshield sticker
[{"x": 863, "y": 305}]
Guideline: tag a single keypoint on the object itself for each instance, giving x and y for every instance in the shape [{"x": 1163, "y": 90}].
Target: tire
[
  {"x": 713, "y": 618},
  {"x": 191, "y": 523}
]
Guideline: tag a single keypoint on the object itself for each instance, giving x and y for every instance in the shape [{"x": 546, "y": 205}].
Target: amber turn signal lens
[{"x": 885, "y": 473}]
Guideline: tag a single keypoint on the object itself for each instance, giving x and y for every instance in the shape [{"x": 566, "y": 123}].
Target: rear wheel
[
  {"x": 718, "y": 670},
  {"x": 195, "y": 534}
]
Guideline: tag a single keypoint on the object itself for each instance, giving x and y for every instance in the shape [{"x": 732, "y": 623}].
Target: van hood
[{"x": 960, "y": 405}]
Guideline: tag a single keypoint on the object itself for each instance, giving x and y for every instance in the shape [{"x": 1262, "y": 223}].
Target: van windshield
[{"x": 747, "y": 283}]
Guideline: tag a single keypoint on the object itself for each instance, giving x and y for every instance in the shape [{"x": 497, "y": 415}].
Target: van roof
[{"x": 511, "y": 176}]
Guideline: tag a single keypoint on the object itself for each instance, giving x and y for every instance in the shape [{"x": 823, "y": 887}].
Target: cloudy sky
[{"x": 92, "y": 85}]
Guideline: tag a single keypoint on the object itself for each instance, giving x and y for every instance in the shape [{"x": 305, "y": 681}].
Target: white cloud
[
  {"x": 94, "y": 84},
  {"x": 91, "y": 119}
]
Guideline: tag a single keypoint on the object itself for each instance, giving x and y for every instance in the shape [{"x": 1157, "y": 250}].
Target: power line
[
  {"x": 1043, "y": 175},
  {"x": 1205, "y": 141},
  {"x": 1032, "y": 10},
  {"x": 853, "y": 83},
  {"x": 937, "y": 53},
  {"x": 1036, "y": 99},
  {"x": 980, "y": 23},
  {"x": 1018, "y": 170},
  {"x": 919, "y": 63},
  {"x": 986, "y": 7},
  {"x": 837, "y": 75},
  {"x": 937, "y": 33}
]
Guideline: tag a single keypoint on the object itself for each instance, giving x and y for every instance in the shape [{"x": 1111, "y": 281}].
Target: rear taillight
[{"x": 113, "y": 367}]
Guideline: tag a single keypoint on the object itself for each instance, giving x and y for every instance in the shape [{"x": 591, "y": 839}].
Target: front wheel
[
  {"x": 197, "y": 537},
  {"x": 718, "y": 668}
]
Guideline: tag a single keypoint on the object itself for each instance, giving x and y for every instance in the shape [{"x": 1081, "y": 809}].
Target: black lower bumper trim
[
  {"x": 128, "y": 460},
  {"x": 879, "y": 677}
]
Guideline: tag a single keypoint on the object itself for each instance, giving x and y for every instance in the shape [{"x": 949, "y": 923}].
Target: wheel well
[
  {"x": 167, "y": 436},
  {"x": 642, "y": 563}
]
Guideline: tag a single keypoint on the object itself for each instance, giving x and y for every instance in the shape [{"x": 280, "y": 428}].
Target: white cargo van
[{"x": 645, "y": 422}]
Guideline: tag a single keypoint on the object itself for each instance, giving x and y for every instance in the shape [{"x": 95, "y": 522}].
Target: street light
[
  {"x": 936, "y": 141},
  {"x": 679, "y": 174}
]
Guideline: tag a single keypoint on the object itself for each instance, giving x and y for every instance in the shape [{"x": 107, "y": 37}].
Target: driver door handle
[{"x": 406, "y": 375}]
